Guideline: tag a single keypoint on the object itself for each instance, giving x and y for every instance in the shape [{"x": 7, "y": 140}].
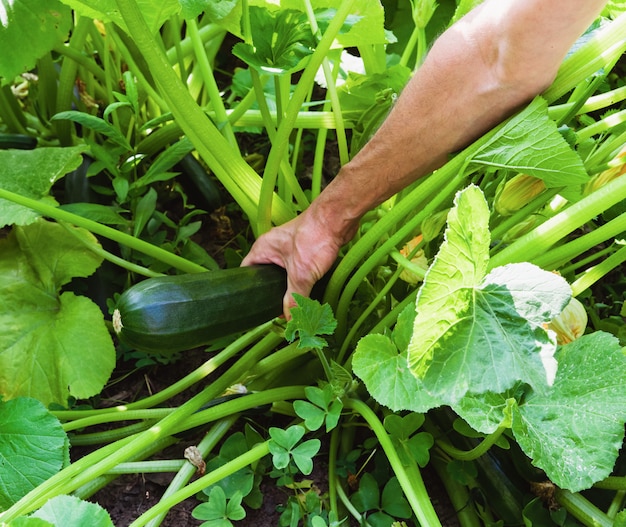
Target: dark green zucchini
[
  {"x": 17, "y": 141},
  {"x": 175, "y": 313},
  {"x": 202, "y": 189}
]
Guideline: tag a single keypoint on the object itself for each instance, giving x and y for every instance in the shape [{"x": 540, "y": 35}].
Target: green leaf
[
  {"x": 218, "y": 511},
  {"x": 403, "y": 427},
  {"x": 368, "y": 496},
  {"x": 33, "y": 447},
  {"x": 393, "y": 501},
  {"x": 477, "y": 333},
  {"x": 381, "y": 363},
  {"x": 108, "y": 215},
  {"x": 69, "y": 511},
  {"x": 31, "y": 173},
  {"x": 368, "y": 28},
  {"x": 52, "y": 345},
  {"x": 155, "y": 12},
  {"x": 411, "y": 447},
  {"x": 486, "y": 412},
  {"x": 29, "y": 29},
  {"x": 324, "y": 406},
  {"x": 29, "y": 521},
  {"x": 310, "y": 319},
  {"x": 214, "y": 10},
  {"x": 96, "y": 124},
  {"x": 281, "y": 41},
  {"x": 313, "y": 415},
  {"x": 241, "y": 481},
  {"x": 531, "y": 143},
  {"x": 303, "y": 455},
  {"x": 575, "y": 431}
]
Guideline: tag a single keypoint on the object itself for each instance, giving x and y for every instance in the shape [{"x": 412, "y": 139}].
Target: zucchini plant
[{"x": 450, "y": 360}]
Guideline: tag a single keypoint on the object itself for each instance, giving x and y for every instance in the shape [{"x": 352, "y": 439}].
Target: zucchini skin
[
  {"x": 180, "y": 312},
  {"x": 17, "y": 141}
]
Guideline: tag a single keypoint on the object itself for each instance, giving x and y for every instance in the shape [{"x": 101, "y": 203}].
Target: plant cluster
[{"x": 473, "y": 326}]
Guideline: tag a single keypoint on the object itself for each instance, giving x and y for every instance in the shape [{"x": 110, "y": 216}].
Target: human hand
[{"x": 303, "y": 247}]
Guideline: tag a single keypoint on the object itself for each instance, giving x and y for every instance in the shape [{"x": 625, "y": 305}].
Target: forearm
[{"x": 477, "y": 73}]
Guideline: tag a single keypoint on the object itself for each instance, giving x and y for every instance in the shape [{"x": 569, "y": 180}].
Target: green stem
[
  {"x": 210, "y": 84},
  {"x": 421, "y": 193},
  {"x": 256, "y": 453},
  {"x": 612, "y": 483},
  {"x": 331, "y": 89},
  {"x": 11, "y": 114},
  {"x": 594, "y": 103},
  {"x": 601, "y": 49},
  {"x": 89, "y": 468},
  {"x": 187, "y": 471},
  {"x": 603, "y": 125},
  {"x": 67, "y": 80},
  {"x": 459, "y": 496},
  {"x": 595, "y": 273},
  {"x": 109, "y": 436},
  {"x": 69, "y": 52},
  {"x": 567, "y": 252},
  {"x": 241, "y": 404},
  {"x": 534, "y": 244},
  {"x": 427, "y": 202},
  {"x": 148, "y": 467},
  {"x": 582, "y": 509},
  {"x": 58, "y": 214},
  {"x": 151, "y": 414},
  {"x": 362, "y": 522},
  {"x": 281, "y": 142},
  {"x": 94, "y": 485},
  {"x": 263, "y": 345},
  {"x": 239, "y": 179},
  {"x": 410, "y": 479},
  {"x": 474, "y": 453},
  {"x": 106, "y": 255}
]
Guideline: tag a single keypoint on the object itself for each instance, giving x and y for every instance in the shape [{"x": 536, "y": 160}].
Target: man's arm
[{"x": 477, "y": 73}]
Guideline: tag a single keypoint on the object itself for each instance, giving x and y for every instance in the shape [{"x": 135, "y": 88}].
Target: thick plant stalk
[
  {"x": 239, "y": 179},
  {"x": 538, "y": 241},
  {"x": 605, "y": 46}
]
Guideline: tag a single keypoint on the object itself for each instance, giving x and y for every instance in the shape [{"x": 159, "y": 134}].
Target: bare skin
[{"x": 477, "y": 73}]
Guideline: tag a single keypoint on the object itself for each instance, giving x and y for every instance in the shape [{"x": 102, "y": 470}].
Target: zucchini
[
  {"x": 17, "y": 141},
  {"x": 205, "y": 192},
  {"x": 180, "y": 312}
]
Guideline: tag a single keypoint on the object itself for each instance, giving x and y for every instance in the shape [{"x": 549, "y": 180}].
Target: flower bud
[
  {"x": 517, "y": 192},
  {"x": 571, "y": 323},
  {"x": 418, "y": 258},
  {"x": 431, "y": 226},
  {"x": 601, "y": 179}
]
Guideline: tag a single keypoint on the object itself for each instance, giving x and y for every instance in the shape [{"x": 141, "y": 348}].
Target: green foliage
[
  {"x": 22, "y": 20},
  {"x": 281, "y": 41},
  {"x": 478, "y": 332},
  {"x": 33, "y": 447},
  {"x": 32, "y": 174},
  {"x": 309, "y": 320},
  {"x": 47, "y": 330},
  {"x": 412, "y": 447},
  {"x": 285, "y": 446},
  {"x": 218, "y": 511},
  {"x": 381, "y": 507},
  {"x": 150, "y": 95},
  {"x": 324, "y": 407}
]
